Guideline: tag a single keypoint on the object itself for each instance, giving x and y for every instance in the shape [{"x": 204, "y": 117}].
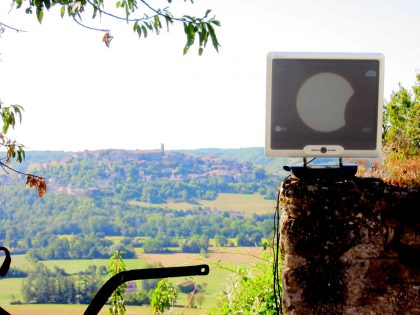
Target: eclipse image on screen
[
  {"x": 322, "y": 100},
  {"x": 331, "y": 102}
]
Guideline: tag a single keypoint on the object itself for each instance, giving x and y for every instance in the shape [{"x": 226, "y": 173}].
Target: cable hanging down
[{"x": 277, "y": 288}]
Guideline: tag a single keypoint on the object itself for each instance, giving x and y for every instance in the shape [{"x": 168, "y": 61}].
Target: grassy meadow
[{"x": 255, "y": 203}]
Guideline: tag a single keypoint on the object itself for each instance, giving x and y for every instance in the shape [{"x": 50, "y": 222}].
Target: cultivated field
[
  {"x": 228, "y": 255},
  {"x": 224, "y": 202}
]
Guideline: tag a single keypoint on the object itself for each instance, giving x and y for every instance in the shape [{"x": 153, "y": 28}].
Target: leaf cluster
[
  {"x": 402, "y": 124},
  {"x": 14, "y": 150},
  {"x": 10, "y": 115},
  {"x": 37, "y": 182},
  {"x": 401, "y": 140},
  {"x": 164, "y": 296},
  {"x": 116, "y": 266},
  {"x": 250, "y": 290},
  {"x": 203, "y": 28}
]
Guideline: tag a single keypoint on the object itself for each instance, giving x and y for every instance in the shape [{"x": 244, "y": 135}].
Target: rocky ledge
[{"x": 350, "y": 247}]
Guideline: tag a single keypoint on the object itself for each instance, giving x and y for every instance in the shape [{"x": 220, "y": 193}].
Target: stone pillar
[{"x": 350, "y": 247}]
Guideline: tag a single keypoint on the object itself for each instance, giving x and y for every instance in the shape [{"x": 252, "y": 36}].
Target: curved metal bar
[
  {"x": 3, "y": 312},
  {"x": 3, "y": 271},
  {"x": 6, "y": 263},
  {"x": 113, "y": 283}
]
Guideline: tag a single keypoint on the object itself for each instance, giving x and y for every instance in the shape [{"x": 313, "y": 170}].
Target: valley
[{"x": 159, "y": 208}]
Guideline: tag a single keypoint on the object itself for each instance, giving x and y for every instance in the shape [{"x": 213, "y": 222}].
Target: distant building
[{"x": 131, "y": 287}]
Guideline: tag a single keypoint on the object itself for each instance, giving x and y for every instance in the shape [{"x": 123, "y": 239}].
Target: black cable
[
  {"x": 311, "y": 160},
  {"x": 276, "y": 249}
]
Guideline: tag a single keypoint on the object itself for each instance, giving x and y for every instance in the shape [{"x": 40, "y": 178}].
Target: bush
[
  {"x": 250, "y": 291},
  {"x": 401, "y": 140},
  {"x": 401, "y": 123}
]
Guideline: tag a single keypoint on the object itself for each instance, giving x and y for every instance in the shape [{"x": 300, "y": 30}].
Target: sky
[{"x": 138, "y": 93}]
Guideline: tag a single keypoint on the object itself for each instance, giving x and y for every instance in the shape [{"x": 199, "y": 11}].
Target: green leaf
[
  {"x": 137, "y": 28},
  {"x": 22, "y": 153},
  {"x": 5, "y": 127},
  {"x": 17, "y": 109},
  {"x": 18, "y": 4},
  {"x": 47, "y": 4},
  {"x": 39, "y": 14},
  {"x": 157, "y": 24},
  {"x": 200, "y": 51},
  {"x": 144, "y": 31},
  {"x": 19, "y": 157},
  {"x": 213, "y": 37},
  {"x": 215, "y": 22},
  {"x": 5, "y": 115},
  {"x": 203, "y": 35},
  {"x": 191, "y": 31},
  {"x": 63, "y": 11},
  {"x": 118, "y": 4},
  {"x": 149, "y": 26},
  {"x": 12, "y": 119},
  {"x": 95, "y": 12}
]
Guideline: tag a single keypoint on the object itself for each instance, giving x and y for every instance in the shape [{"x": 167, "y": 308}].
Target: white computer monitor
[{"x": 324, "y": 104}]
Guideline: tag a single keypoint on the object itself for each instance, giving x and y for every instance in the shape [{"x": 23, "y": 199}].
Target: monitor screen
[{"x": 324, "y": 104}]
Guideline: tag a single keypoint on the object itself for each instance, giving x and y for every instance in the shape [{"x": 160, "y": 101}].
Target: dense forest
[{"x": 90, "y": 196}]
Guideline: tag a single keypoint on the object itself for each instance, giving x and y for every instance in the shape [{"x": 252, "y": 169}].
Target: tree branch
[
  {"x": 119, "y": 17},
  {"x": 89, "y": 27},
  {"x": 31, "y": 180},
  {"x": 3, "y": 165},
  {"x": 157, "y": 12},
  {"x": 10, "y": 27}
]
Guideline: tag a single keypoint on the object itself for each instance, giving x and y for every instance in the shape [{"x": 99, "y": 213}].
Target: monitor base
[{"x": 324, "y": 172}]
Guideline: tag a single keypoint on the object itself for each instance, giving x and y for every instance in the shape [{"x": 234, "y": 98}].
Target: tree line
[{"x": 54, "y": 286}]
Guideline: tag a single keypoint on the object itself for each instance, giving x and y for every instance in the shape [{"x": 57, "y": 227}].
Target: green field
[
  {"x": 9, "y": 290},
  {"x": 240, "y": 202},
  {"x": 114, "y": 239},
  {"x": 224, "y": 202},
  {"x": 74, "y": 266}
]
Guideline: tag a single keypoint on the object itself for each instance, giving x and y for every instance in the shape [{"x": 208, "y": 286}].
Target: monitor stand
[{"x": 332, "y": 172}]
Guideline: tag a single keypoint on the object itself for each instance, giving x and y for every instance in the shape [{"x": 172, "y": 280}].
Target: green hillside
[{"x": 162, "y": 199}]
